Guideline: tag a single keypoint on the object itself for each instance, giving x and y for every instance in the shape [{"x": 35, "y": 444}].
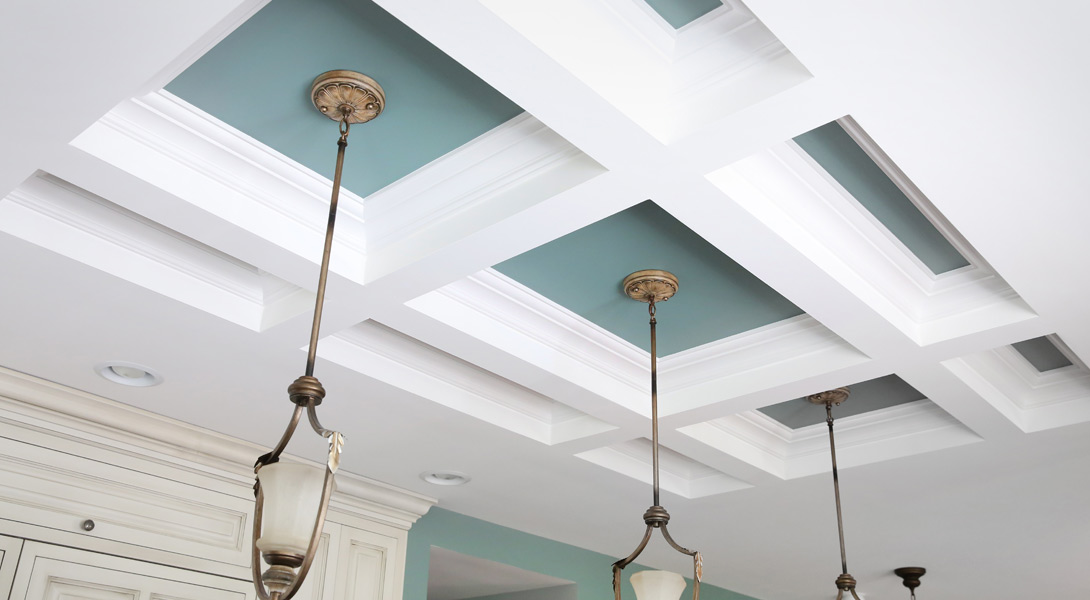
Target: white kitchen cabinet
[
  {"x": 172, "y": 507},
  {"x": 47, "y": 572}
]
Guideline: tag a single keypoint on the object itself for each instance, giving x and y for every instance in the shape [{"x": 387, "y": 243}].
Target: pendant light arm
[
  {"x": 653, "y": 286},
  {"x": 312, "y": 416},
  {"x": 323, "y": 274},
  {"x": 698, "y": 560},
  {"x": 274, "y": 455},
  {"x": 624, "y": 562},
  {"x": 654, "y": 404},
  {"x": 836, "y": 490}
]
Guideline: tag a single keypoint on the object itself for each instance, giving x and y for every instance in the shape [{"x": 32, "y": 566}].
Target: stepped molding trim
[
  {"x": 786, "y": 189},
  {"x": 390, "y": 356},
  {"x": 514, "y": 154},
  {"x": 73, "y": 222},
  {"x": 179, "y": 148},
  {"x": 874, "y": 436},
  {"x": 1032, "y": 400},
  {"x": 51, "y": 407},
  {"x": 679, "y": 474},
  {"x": 504, "y": 313}
]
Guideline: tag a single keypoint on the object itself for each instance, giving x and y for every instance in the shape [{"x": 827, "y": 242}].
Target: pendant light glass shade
[
  {"x": 293, "y": 494},
  {"x": 657, "y": 585}
]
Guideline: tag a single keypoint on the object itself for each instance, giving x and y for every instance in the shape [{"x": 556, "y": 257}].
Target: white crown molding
[
  {"x": 787, "y": 190},
  {"x": 1032, "y": 400},
  {"x": 678, "y": 473},
  {"x": 390, "y": 356},
  {"x": 504, "y": 313},
  {"x": 72, "y": 222},
  {"x": 502, "y": 164},
  {"x": 750, "y": 361},
  {"x": 921, "y": 202},
  {"x": 644, "y": 23},
  {"x": 875, "y": 436},
  {"x": 508, "y": 315},
  {"x": 151, "y": 438},
  {"x": 179, "y": 148}
]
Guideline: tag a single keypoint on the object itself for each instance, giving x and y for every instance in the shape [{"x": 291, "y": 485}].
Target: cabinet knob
[{"x": 88, "y": 525}]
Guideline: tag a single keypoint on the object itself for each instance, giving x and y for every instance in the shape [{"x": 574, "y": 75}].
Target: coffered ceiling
[{"x": 851, "y": 193}]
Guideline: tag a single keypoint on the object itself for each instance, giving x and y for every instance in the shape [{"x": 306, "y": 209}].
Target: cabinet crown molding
[{"x": 28, "y": 401}]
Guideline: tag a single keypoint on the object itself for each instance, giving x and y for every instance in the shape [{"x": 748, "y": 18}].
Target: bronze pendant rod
[
  {"x": 651, "y": 286},
  {"x": 319, "y": 300},
  {"x": 836, "y": 489},
  {"x": 654, "y": 404}
]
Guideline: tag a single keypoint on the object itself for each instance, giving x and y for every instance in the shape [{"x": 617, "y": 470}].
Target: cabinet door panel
[
  {"x": 319, "y": 582},
  {"x": 56, "y": 573},
  {"x": 366, "y": 566},
  {"x": 9, "y": 557}
]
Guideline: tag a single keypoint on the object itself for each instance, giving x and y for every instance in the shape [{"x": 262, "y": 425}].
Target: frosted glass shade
[
  {"x": 293, "y": 493},
  {"x": 657, "y": 585}
]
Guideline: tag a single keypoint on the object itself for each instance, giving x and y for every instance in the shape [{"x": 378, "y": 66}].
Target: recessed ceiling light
[
  {"x": 445, "y": 477},
  {"x": 128, "y": 373}
]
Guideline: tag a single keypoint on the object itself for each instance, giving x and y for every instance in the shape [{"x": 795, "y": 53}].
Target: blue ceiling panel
[
  {"x": 258, "y": 80},
  {"x": 583, "y": 270},
  {"x": 866, "y": 396},
  {"x": 679, "y": 13},
  {"x": 1042, "y": 354},
  {"x": 832, "y": 148}
]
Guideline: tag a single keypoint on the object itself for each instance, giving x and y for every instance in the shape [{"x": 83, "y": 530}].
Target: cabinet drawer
[{"x": 54, "y": 491}]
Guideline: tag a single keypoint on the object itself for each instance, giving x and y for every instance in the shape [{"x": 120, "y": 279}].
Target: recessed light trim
[
  {"x": 128, "y": 373},
  {"x": 445, "y": 477}
]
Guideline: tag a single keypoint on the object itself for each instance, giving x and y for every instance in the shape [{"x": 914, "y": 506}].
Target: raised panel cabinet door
[
  {"x": 9, "y": 558},
  {"x": 321, "y": 579},
  {"x": 48, "y": 572},
  {"x": 367, "y": 566}
]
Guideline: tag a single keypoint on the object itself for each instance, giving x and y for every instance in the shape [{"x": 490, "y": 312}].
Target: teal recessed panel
[
  {"x": 832, "y": 148},
  {"x": 1042, "y": 354},
  {"x": 679, "y": 13},
  {"x": 583, "y": 270},
  {"x": 866, "y": 396},
  {"x": 258, "y": 80}
]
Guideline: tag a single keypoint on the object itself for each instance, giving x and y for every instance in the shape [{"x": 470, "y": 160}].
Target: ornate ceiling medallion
[{"x": 347, "y": 96}]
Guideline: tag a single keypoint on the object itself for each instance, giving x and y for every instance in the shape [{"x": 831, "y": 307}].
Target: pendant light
[
  {"x": 844, "y": 583},
  {"x": 910, "y": 576},
  {"x": 292, "y": 499},
  {"x": 652, "y": 287}
]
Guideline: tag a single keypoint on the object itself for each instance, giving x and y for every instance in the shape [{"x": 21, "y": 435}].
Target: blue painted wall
[
  {"x": 589, "y": 570},
  {"x": 559, "y": 592}
]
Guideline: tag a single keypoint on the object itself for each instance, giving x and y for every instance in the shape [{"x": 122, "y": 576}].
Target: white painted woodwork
[
  {"x": 163, "y": 492},
  {"x": 367, "y": 566},
  {"x": 57, "y": 573},
  {"x": 55, "y": 490},
  {"x": 9, "y": 558}
]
